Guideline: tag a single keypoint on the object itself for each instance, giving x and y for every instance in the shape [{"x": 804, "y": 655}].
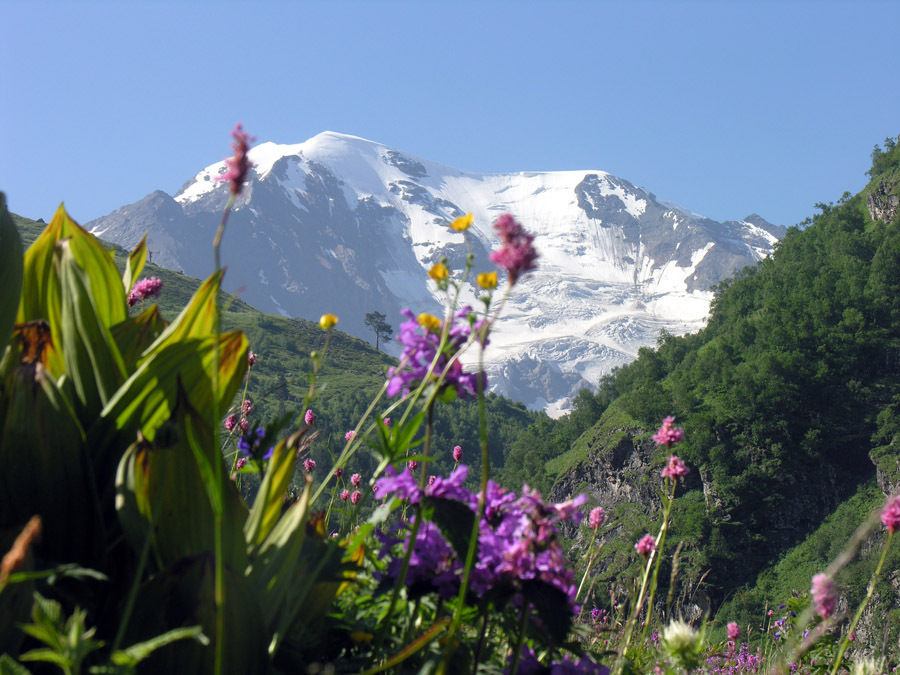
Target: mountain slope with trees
[{"x": 789, "y": 398}]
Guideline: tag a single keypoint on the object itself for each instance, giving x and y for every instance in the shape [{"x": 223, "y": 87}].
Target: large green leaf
[
  {"x": 41, "y": 292},
  {"x": 134, "y": 265},
  {"x": 134, "y": 335},
  {"x": 184, "y": 594},
  {"x": 43, "y": 454},
  {"x": 147, "y": 398},
  {"x": 92, "y": 359},
  {"x": 197, "y": 320},
  {"x": 161, "y": 484},
  {"x": 10, "y": 272}
]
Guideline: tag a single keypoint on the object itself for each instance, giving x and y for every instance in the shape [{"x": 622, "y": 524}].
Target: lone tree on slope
[{"x": 378, "y": 323}]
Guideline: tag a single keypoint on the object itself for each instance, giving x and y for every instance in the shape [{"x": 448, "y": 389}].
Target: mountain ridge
[{"x": 345, "y": 225}]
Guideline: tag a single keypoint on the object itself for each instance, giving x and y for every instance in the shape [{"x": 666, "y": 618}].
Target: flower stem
[{"x": 862, "y": 606}]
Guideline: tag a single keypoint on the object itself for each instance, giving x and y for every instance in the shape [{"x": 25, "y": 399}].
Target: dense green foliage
[{"x": 789, "y": 388}]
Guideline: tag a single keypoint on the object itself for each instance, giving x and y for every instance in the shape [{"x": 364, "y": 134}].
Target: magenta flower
[
  {"x": 890, "y": 516},
  {"x": 675, "y": 469},
  {"x": 596, "y": 517},
  {"x": 230, "y": 423},
  {"x": 338, "y": 472},
  {"x": 246, "y": 407},
  {"x": 309, "y": 417},
  {"x": 241, "y": 463},
  {"x": 824, "y": 594},
  {"x": 145, "y": 288},
  {"x": 668, "y": 435},
  {"x": 251, "y": 358},
  {"x": 457, "y": 454},
  {"x": 355, "y": 497},
  {"x": 245, "y": 425},
  {"x": 355, "y": 480},
  {"x": 734, "y": 631},
  {"x": 413, "y": 465},
  {"x": 430, "y": 481},
  {"x": 345, "y": 495},
  {"x": 387, "y": 421},
  {"x": 516, "y": 254},
  {"x": 645, "y": 545},
  {"x": 238, "y": 164},
  {"x": 349, "y": 435},
  {"x": 309, "y": 465}
]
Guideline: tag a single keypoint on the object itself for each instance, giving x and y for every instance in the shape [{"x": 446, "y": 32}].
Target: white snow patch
[
  {"x": 262, "y": 277},
  {"x": 279, "y": 307}
]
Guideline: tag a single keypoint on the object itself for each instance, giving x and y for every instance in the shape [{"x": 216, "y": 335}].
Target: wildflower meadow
[{"x": 151, "y": 522}]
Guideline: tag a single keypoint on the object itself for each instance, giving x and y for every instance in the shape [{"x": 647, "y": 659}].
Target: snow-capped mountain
[{"x": 344, "y": 225}]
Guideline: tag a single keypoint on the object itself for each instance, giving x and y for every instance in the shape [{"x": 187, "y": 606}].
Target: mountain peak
[{"x": 345, "y": 225}]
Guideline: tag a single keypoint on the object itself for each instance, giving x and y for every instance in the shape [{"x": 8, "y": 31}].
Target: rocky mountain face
[{"x": 344, "y": 225}]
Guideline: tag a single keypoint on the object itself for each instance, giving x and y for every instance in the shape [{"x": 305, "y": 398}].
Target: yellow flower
[
  {"x": 429, "y": 322},
  {"x": 361, "y": 638},
  {"x": 488, "y": 280},
  {"x": 328, "y": 321},
  {"x": 462, "y": 223},
  {"x": 439, "y": 272}
]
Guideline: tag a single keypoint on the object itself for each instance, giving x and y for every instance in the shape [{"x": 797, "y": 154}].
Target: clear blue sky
[{"x": 723, "y": 107}]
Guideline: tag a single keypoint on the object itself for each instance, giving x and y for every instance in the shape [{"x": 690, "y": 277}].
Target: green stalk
[
  {"x": 217, "y": 504},
  {"x": 590, "y": 559},
  {"x": 660, "y": 545},
  {"x": 645, "y": 577},
  {"x": 520, "y": 639},
  {"x": 859, "y": 611}
]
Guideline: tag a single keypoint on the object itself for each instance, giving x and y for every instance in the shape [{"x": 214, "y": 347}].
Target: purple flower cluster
[
  {"x": 734, "y": 662},
  {"x": 824, "y": 594},
  {"x": 530, "y": 665},
  {"x": 251, "y": 444},
  {"x": 518, "y": 541},
  {"x": 433, "y": 566},
  {"x": 145, "y": 288},
  {"x": 890, "y": 515},
  {"x": 238, "y": 164},
  {"x": 668, "y": 435},
  {"x": 516, "y": 254},
  {"x": 421, "y": 348}
]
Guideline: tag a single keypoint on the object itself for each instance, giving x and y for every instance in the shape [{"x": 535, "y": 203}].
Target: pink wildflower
[
  {"x": 238, "y": 164},
  {"x": 355, "y": 480},
  {"x": 145, "y": 288},
  {"x": 734, "y": 631},
  {"x": 230, "y": 423},
  {"x": 675, "y": 468},
  {"x": 355, "y": 497},
  {"x": 516, "y": 254},
  {"x": 645, "y": 545},
  {"x": 245, "y": 425},
  {"x": 339, "y": 472},
  {"x": 457, "y": 454},
  {"x": 596, "y": 517},
  {"x": 430, "y": 481},
  {"x": 387, "y": 421},
  {"x": 668, "y": 434},
  {"x": 345, "y": 495},
  {"x": 890, "y": 516},
  {"x": 246, "y": 407},
  {"x": 251, "y": 358},
  {"x": 349, "y": 435},
  {"x": 824, "y": 594},
  {"x": 413, "y": 465},
  {"x": 309, "y": 465},
  {"x": 241, "y": 463},
  {"x": 309, "y": 417}
]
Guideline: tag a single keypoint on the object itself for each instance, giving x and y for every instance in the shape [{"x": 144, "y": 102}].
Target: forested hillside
[{"x": 789, "y": 398}]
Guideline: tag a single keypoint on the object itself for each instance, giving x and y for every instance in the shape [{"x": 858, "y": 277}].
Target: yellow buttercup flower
[
  {"x": 328, "y": 321},
  {"x": 488, "y": 280},
  {"x": 429, "y": 322},
  {"x": 439, "y": 272},
  {"x": 462, "y": 223},
  {"x": 361, "y": 637}
]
